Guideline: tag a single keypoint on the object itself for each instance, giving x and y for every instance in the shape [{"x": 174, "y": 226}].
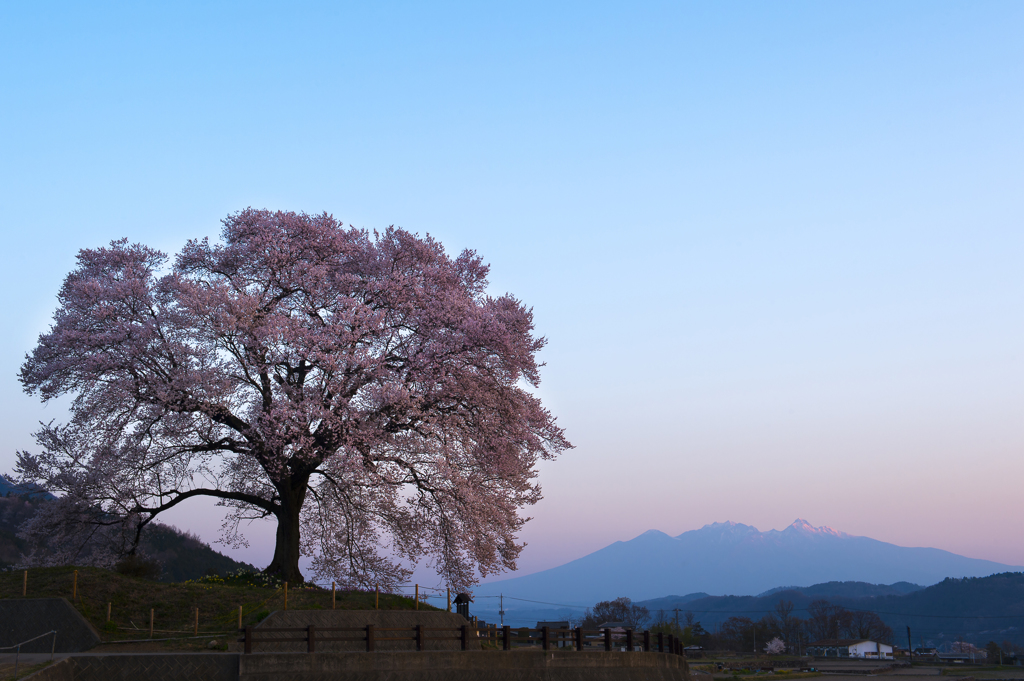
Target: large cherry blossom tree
[{"x": 363, "y": 389}]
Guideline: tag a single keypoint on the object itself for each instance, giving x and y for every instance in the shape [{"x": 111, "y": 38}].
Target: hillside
[
  {"x": 849, "y": 589},
  {"x": 218, "y": 599},
  {"x": 979, "y": 609},
  {"x": 715, "y": 609},
  {"x": 181, "y": 555}
]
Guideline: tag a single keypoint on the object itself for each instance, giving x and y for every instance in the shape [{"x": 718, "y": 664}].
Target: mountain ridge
[{"x": 733, "y": 558}]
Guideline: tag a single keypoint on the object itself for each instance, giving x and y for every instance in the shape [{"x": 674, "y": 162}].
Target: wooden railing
[
  {"x": 506, "y": 637},
  {"x": 369, "y": 634}
]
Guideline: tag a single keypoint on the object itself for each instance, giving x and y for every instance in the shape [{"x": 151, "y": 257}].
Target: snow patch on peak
[{"x": 801, "y": 525}]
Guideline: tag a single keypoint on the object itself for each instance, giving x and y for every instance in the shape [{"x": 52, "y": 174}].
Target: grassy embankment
[{"x": 174, "y": 605}]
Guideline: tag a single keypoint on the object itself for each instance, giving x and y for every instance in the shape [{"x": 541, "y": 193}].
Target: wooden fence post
[
  {"x": 286, "y": 595},
  {"x": 334, "y": 600},
  {"x": 108, "y": 611},
  {"x": 151, "y": 622},
  {"x": 239, "y": 618},
  {"x": 417, "y": 597},
  {"x": 24, "y": 584},
  {"x": 506, "y": 637},
  {"x": 545, "y": 638},
  {"x": 671, "y": 643},
  {"x": 369, "y": 638},
  {"x": 197, "y": 622},
  {"x": 376, "y": 600},
  {"x": 579, "y": 638},
  {"x": 449, "y": 598},
  {"x": 419, "y": 637},
  {"x": 661, "y": 641},
  {"x": 465, "y": 637},
  {"x": 629, "y": 640},
  {"x": 647, "y": 641},
  {"x": 248, "y": 640},
  {"x": 607, "y": 640},
  {"x": 311, "y": 639},
  {"x": 74, "y": 588}
]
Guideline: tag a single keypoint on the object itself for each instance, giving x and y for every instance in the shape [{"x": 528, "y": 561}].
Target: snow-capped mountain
[{"x": 732, "y": 558}]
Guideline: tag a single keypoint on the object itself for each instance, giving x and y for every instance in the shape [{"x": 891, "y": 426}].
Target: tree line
[{"x": 825, "y": 620}]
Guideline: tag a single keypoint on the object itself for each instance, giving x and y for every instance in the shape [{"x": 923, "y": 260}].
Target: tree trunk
[{"x": 285, "y": 565}]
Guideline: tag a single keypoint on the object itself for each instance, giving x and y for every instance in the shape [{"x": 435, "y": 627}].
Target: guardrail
[
  {"x": 547, "y": 637},
  {"x": 17, "y": 648}
]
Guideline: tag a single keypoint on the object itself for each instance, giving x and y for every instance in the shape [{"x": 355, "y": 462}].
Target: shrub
[{"x": 136, "y": 566}]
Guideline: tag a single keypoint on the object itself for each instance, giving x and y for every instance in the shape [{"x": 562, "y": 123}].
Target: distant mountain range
[{"x": 732, "y": 558}]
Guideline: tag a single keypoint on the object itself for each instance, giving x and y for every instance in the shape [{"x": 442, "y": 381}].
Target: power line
[{"x": 526, "y": 600}]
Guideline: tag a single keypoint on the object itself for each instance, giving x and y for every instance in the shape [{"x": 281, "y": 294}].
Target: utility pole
[
  {"x": 910, "y": 645},
  {"x": 501, "y": 608},
  {"x": 677, "y": 618}
]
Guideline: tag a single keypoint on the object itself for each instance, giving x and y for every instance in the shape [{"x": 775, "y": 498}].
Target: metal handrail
[{"x": 17, "y": 649}]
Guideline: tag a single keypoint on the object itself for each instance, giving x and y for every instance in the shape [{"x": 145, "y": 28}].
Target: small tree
[
  {"x": 775, "y": 647},
  {"x": 621, "y": 609},
  {"x": 363, "y": 390}
]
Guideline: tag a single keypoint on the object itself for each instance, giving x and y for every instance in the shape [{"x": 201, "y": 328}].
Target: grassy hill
[{"x": 218, "y": 599}]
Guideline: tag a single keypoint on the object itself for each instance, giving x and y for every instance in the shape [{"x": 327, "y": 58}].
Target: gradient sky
[{"x": 777, "y": 247}]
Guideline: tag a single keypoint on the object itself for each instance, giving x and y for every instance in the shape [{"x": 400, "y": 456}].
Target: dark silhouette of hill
[
  {"x": 980, "y": 609},
  {"x": 849, "y": 589},
  {"x": 8, "y": 488},
  {"x": 181, "y": 555},
  {"x": 976, "y": 609}
]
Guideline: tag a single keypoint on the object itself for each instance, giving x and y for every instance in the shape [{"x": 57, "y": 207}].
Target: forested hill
[
  {"x": 977, "y": 608},
  {"x": 180, "y": 555},
  {"x": 849, "y": 589},
  {"x": 719, "y": 608}
]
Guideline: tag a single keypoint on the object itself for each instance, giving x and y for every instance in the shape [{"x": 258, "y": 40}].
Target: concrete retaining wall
[
  {"x": 380, "y": 619},
  {"x": 446, "y": 666},
  {"x": 142, "y": 667},
  {"x": 534, "y": 665},
  {"x": 24, "y": 618}
]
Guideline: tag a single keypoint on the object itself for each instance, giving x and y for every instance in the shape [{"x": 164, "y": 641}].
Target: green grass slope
[{"x": 174, "y": 604}]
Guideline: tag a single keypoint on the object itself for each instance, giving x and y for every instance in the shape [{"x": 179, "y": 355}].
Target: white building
[{"x": 871, "y": 650}]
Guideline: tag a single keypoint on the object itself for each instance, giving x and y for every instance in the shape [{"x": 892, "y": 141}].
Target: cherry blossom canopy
[{"x": 363, "y": 389}]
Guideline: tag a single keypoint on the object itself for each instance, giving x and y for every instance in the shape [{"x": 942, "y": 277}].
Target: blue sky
[{"x": 776, "y": 247}]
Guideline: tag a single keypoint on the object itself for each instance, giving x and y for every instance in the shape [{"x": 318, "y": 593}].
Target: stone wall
[{"x": 25, "y": 618}]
